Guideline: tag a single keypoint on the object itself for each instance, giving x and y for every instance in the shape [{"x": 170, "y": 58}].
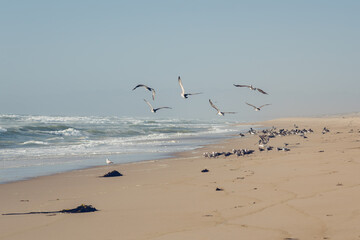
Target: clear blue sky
[{"x": 84, "y": 57}]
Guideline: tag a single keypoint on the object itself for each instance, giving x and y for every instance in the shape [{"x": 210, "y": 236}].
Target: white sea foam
[
  {"x": 55, "y": 138},
  {"x": 2, "y": 130},
  {"x": 67, "y": 132},
  {"x": 67, "y": 119},
  {"x": 35, "y": 143}
]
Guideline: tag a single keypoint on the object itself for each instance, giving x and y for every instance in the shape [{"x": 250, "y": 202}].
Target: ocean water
[{"x": 32, "y": 146}]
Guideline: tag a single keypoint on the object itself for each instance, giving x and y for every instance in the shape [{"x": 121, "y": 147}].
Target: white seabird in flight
[
  {"x": 148, "y": 88},
  {"x": 251, "y": 87},
  {"x": 155, "y": 109},
  {"x": 257, "y": 108},
  {"x": 218, "y": 111},
  {"x": 183, "y": 94},
  {"x": 108, "y": 161}
]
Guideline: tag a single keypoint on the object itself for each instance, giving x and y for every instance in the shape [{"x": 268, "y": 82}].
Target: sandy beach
[{"x": 309, "y": 192}]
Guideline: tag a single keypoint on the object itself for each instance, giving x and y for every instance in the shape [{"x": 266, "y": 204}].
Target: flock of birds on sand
[
  {"x": 264, "y": 138},
  {"x": 186, "y": 95},
  {"x": 263, "y": 143}
]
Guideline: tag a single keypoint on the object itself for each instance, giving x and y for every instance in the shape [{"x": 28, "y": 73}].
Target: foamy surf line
[
  {"x": 26, "y": 168},
  {"x": 32, "y": 146}
]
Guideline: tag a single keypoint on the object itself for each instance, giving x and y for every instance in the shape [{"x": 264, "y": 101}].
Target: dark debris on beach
[
  {"x": 79, "y": 209},
  {"x": 113, "y": 174}
]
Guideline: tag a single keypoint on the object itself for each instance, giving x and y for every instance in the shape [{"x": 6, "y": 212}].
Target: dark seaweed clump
[
  {"x": 113, "y": 174},
  {"x": 80, "y": 209}
]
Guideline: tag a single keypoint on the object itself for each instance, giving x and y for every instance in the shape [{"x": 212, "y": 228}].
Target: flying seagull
[
  {"x": 251, "y": 87},
  {"x": 148, "y": 88},
  {"x": 108, "y": 161},
  {"x": 218, "y": 111},
  {"x": 183, "y": 94},
  {"x": 257, "y": 108},
  {"x": 155, "y": 109}
]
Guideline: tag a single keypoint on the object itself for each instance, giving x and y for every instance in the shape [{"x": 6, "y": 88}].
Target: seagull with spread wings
[
  {"x": 148, "y": 88},
  {"x": 251, "y": 87},
  {"x": 183, "y": 94},
  {"x": 154, "y": 110},
  {"x": 218, "y": 111},
  {"x": 257, "y": 108}
]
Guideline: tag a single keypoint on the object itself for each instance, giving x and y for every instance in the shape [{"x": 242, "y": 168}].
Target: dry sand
[{"x": 310, "y": 192}]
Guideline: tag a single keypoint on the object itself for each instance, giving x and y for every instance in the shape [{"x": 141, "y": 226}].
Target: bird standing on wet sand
[
  {"x": 155, "y": 109},
  {"x": 257, "y": 108},
  {"x": 148, "y": 88},
  {"x": 218, "y": 111},
  {"x": 251, "y": 87},
  {"x": 183, "y": 94}
]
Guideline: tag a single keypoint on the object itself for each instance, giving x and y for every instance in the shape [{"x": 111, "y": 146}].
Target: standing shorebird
[
  {"x": 257, "y": 108},
  {"x": 148, "y": 88},
  {"x": 183, "y": 94},
  {"x": 155, "y": 109},
  {"x": 218, "y": 111},
  {"x": 251, "y": 87}
]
